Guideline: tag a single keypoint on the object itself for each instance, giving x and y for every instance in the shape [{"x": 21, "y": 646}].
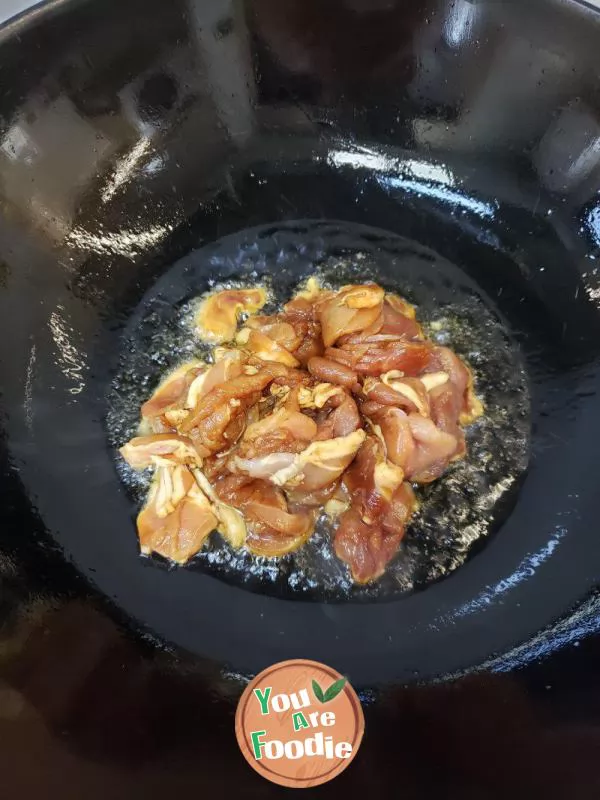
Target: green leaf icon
[
  {"x": 331, "y": 693},
  {"x": 318, "y": 692},
  {"x": 334, "y": 690}
]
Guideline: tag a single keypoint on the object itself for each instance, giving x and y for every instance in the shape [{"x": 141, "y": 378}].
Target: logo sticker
[{"x": 299, "y": 723}]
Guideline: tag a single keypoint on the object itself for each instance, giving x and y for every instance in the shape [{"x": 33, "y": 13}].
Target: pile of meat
[{"x": 337, "y": 404}]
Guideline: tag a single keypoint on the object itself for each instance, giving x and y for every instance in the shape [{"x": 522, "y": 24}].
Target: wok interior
[{"x": 455, "y": 126}]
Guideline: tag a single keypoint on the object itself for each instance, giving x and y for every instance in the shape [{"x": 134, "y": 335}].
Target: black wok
[{"x": 450, "y": 150}]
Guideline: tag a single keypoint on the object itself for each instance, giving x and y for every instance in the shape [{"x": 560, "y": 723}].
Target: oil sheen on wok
[
  {"x": 338, "y": 402},
  {"x": 457, "y": 514}
]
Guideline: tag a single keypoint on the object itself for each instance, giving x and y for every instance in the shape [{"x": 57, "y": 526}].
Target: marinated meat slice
[
  {"x": 329, "y": 371},
  {"x": 320, "y": 464},
  {"x": 352, "y": 309},
  {"x": 393, "y": 424},
  {"x": 219, "y": 313},
  {"x": 272, "y": 530},
  {"x": 300, "y": 500},
  {"x": 444, "y": 360},
  {"x": 368, "y": 548},
  {"x": 177, "y": 518},
  {"x": 283, "y": 425},
  {"x": 407, "y": 393},
  {"x": 279, "y": 330},
  {"x": 209, "y": 421},
  {"x": 339, "y": 417},
  {"x": 265, "y": 348},
  {"x": 171, "y": 394},
  {"x": 317, "y": 396},
  {"x": 228, "y": 367},
  {"x": 377, "y": 355},
  {"x": 271, "y": 444},
  {"x": 434, "y": 449},
  {"x": 372, "y": 479},
  {"x": 231, "y": 523},
  {"x": 262, "y": 467},
  {"x": 399, "y": 318},
  {"x": 161, "y": 450}
]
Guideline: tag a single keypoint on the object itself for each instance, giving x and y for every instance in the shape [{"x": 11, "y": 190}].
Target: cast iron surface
[{"x": 133, "y": 134}]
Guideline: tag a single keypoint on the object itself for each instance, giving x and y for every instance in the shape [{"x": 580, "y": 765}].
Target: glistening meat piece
[
  {"x": 272, "y": 530},
  {"x": 315, "y": 467},
  {"x": 161, "y": 450},
  {"x": 413, "y": 443},
  {"x": 218, "y": 419},
  {"x": 338, "y": 418},
  {"x": 281, "y": 431},
  {"x": 334, "y": 406},
  {"x": 175, "y": 398},
  {"x": 279, "y": 330},
  {"x": 377, "y": 354},
  {"x": 170, "y": 396},
  {"x": 434, "y": 449},
  {"x": 399, "y": 318},
  {"x": 177, "y": 517},
  {"x": 352, "y": 309},
  {"x": 407, "y": 393},
  {"x": 230, "y": 366},
  {"x": 370, "y": 531},
  {"x": 329, "y": 371},
  {"x": 442, "y": 359},
  {"x": 367, "y": 548},
  {"x": 266, "y": 349},
  {"x": 219, "y": 313}
]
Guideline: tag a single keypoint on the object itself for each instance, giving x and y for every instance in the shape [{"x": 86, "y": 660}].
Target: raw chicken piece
[
  {"x": 222, "y": 407},
  {"x": 272, "y": 443},
  {"x": 285, "y": 430},
  {"x": 219, "y": 314},
  {"x": 434, "y": 449},
  {"x": 329, "y": 371},
  {"x": 177, "y": 517},
  {"x": 231, "y": 523},
  {"x": 279, "y": 330},
  {"x": 413, "y": 442},
  {"x": 272, "y": 530},
  {"x": 444, "y": 360},
  {"x": 352, "y": 309},
  {"x": 399, "y": 318},
  {"x": 229, "y": 366},
  {"x": 407, "y": 393},
  {"x": 317, "y": 396},
  {"x": 170, "y": 394},
  {"x": 265, "y": 348},
  {"x": 370, "y": 532},
  {"x": 378, "y": 354},
  {"x": 302, "y": 314},
  {"x": 320, "y": 464},
  {"x": 393, "y": 427},
  {"x": 161, "y": 450},
  {"x": 339, "y": 417}
]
